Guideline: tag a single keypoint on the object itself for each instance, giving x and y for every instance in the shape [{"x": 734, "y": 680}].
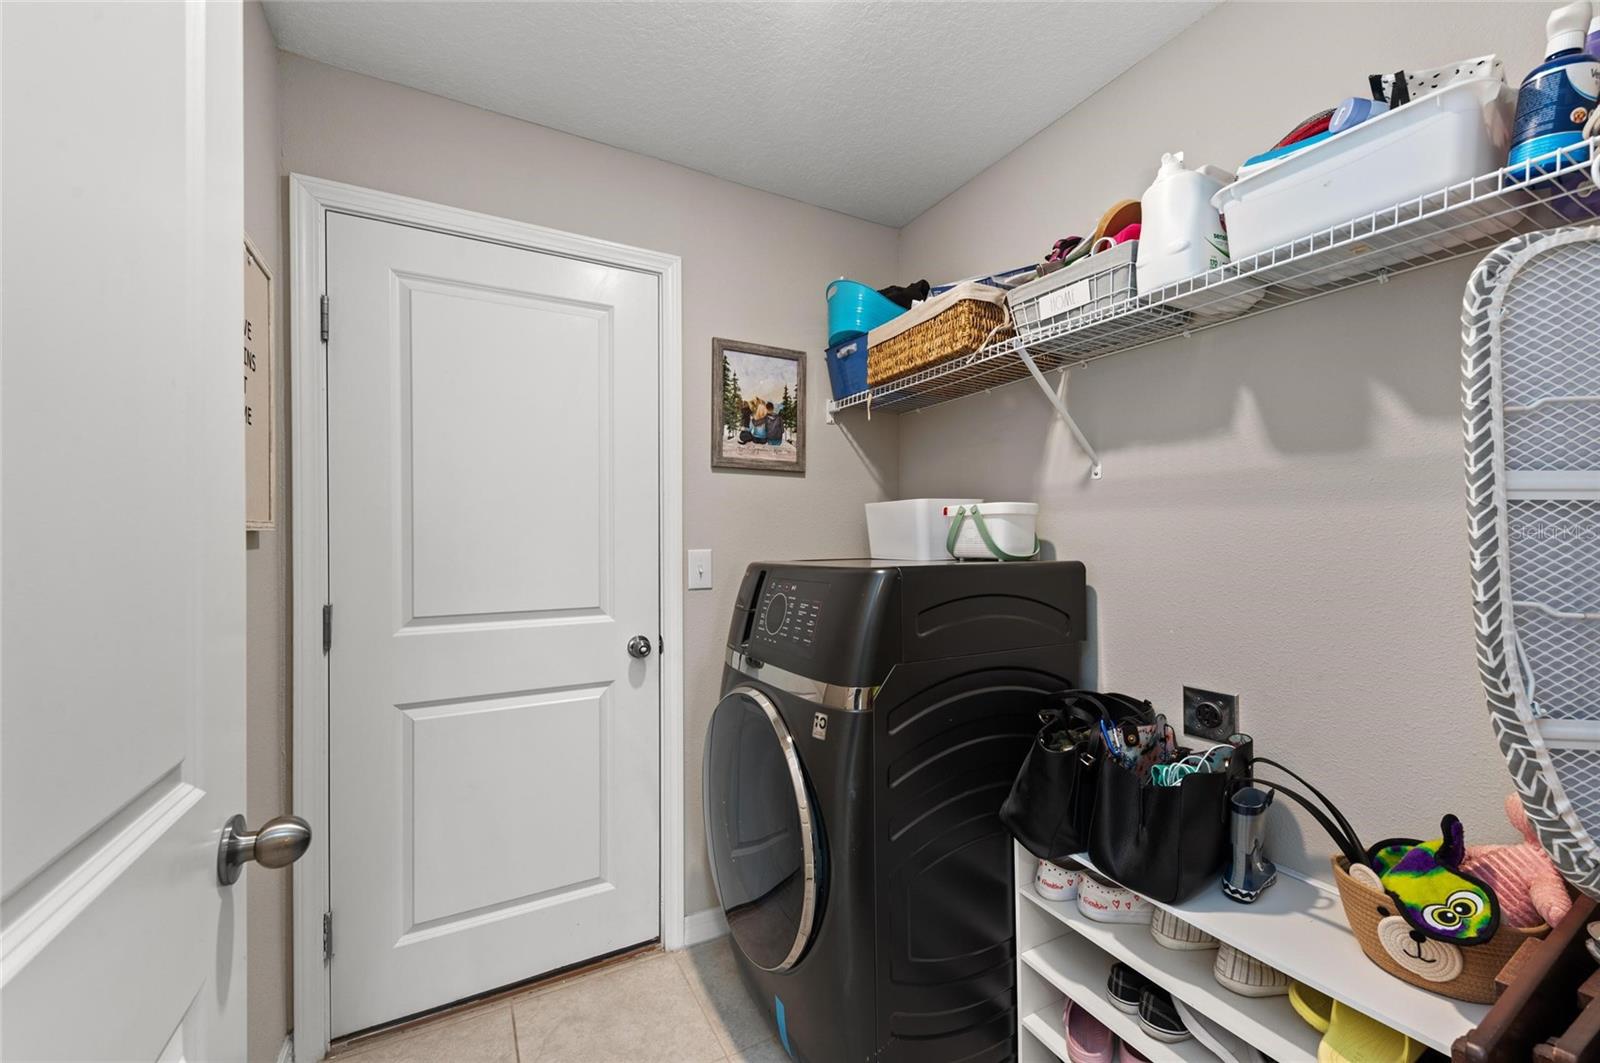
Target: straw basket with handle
[{"x": 947, "y": 326}]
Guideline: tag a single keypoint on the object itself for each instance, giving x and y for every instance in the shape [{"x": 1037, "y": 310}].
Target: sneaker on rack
[
  {"x": 1173, "y": 933},
  {"x": 1248, "y": 976},
  {"x": 1107, "y": 902},
  {"x": 1159, "y": 1018},
  {"x": 1125, "y": 988},
  {"x": 1054, "y": 882}
]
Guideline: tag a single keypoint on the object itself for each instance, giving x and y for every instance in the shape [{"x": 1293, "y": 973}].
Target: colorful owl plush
[{"x": 1432, "y": 893}]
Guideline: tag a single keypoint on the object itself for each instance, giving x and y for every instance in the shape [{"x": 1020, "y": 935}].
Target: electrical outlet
[
  {"x": 699, "y": 570},
  {"x": 1208, "y": 714}
]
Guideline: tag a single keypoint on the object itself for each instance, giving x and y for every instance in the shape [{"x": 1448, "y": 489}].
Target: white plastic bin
[
  {"x": 1010, "y": 527},
  {"x": 910, "y": 530},
  {"x": 1445, "y": 138}
]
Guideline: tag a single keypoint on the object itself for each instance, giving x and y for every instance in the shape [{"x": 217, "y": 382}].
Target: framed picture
[
  {"x": 758, "y": 407},
  {"x": 260, "y": 451}
]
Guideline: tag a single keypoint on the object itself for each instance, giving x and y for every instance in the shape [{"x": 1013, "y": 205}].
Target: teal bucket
[{"x": 854, "y": 309}]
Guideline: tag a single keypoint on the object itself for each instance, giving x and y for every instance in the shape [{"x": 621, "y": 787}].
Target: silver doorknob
[
  {"x": 639, "y": 646},
  {"x": 280, "y": 842}
]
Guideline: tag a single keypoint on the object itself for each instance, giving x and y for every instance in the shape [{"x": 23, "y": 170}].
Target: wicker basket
[
  {"x": 961, "y": 329},
  {"x": 1461, "y": 973}
]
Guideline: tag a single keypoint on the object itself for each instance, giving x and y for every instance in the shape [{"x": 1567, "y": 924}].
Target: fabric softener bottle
[{"x": 1560, "y": 94}]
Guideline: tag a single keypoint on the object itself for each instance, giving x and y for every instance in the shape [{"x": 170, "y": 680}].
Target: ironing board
[{"x": 1531, "y": 392}]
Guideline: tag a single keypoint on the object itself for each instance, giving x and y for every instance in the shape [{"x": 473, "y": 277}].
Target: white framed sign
[{"x": 260, "y": 450}]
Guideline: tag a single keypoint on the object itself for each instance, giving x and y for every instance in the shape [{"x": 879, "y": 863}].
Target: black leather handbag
[
  {"x": 1052, "y": 800},
  {"x": 1166, "y": 842}
]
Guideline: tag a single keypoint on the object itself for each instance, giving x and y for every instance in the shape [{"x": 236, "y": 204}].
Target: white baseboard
[
  {"x": 286, "y": 1052},
  {"x": 705, "y": 925}
]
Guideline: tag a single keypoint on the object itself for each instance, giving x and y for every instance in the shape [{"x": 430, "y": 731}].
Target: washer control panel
[{"x": 790, "y": 611}]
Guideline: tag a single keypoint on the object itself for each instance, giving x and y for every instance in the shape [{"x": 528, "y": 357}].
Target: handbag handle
[
  {"x": 1090, "y": 706},
  {"x": 962, "y": 512},
  {"x": 1331, "y": 820}
]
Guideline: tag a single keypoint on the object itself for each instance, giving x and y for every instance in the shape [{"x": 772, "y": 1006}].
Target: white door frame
[{"x": 310, "y": 199}]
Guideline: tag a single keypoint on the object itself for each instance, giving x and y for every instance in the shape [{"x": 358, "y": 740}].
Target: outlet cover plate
[{"x": 1208, "y": 714}]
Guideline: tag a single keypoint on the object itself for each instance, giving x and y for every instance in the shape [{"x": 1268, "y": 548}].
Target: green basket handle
[{"x": 962, "y": 513}]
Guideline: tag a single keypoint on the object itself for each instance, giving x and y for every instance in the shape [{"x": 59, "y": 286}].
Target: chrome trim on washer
[
  {"x": 808, "y": 833},
  {"x": 815, "y": 691}
]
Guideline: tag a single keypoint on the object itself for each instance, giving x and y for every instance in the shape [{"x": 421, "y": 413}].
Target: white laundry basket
[{"x": 993, "y": 531}]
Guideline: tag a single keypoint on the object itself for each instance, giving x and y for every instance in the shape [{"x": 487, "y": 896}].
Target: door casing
[{"x": 310, "y": 200}]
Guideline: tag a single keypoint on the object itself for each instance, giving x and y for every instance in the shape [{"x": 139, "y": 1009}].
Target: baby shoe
[
  {"x": 1056, "y": 883},
  {"x": 1125, "y": 988},
  {"x": 1174, "y": 933},
  {"x": 1158, "y": 1017},
  {"x": 1088, "y": 1040},
  {"x": 1248, "y": 976},
  {"x": 1106, "y": 902}
]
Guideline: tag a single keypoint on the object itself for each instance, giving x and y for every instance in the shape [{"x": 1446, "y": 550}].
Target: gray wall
[
  {"x": 1281, "y": 513},
  {"x": 267, "y": 909},
  {"x": 754, "y": 269}
]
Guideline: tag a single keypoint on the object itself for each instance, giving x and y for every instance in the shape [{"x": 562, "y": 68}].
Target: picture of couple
[{"x": 758, "y": 411}]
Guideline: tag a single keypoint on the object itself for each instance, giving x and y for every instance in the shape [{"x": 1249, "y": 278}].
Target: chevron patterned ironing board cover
[{"x": 1531, "y": 397}]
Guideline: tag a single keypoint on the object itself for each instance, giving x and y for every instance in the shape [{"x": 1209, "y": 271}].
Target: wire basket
[
  {"x": 962, "y": 329},
  {"x": 1096, "y": 283}
]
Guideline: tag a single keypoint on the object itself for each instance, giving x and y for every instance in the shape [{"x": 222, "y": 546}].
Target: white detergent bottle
[{"x": 1181, "y": 233}]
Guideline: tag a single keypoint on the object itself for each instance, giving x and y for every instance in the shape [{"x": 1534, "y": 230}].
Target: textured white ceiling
[{"x": 878, "y": 110}]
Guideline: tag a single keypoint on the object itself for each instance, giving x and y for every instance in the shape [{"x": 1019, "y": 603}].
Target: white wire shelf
[{"x": 1464, "y": 219}]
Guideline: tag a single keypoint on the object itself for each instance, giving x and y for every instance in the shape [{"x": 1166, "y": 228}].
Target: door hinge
[
  {"x": 327, "y": 627},
  {"x": 327, "y": 936},
  {"x": 324, "y": 318},
  {"x": 661, "y": 645}
]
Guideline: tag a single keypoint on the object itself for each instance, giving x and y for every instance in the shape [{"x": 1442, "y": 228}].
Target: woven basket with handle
[
  {"x": 960, "y": 330},
  {"x": 1460, "y": 972}
]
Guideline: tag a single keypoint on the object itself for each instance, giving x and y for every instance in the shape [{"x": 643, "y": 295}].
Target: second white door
[{"x": 493, "y": 547}]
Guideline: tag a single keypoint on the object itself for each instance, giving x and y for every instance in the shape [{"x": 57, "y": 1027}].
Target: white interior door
[
  {"x": 492, "y": 510},
  {"x": 123, "y": 531}
]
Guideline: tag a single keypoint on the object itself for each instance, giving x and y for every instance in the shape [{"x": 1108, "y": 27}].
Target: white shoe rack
[{"x": 1297, "y": 926}]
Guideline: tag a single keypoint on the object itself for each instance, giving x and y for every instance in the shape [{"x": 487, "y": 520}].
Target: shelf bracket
[{"x": 1062, "y": 411}]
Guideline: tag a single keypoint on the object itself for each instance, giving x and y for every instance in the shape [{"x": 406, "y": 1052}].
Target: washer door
[{"x": 762, "y": 830}]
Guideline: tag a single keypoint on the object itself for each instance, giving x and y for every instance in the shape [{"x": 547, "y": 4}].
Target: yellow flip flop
[
  {"x": 1348, "y": 1036},
  {"x": 1356, "y": 1038},
  {"x": 1314, "y": 1007}
]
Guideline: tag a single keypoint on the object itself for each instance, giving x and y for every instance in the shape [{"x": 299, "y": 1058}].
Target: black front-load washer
[{"x": 873, "y": 717}]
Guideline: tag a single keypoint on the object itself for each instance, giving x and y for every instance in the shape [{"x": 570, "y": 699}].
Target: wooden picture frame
[
  {"x": 758, "y": 407},
  {"x": 260, "y": 395}
]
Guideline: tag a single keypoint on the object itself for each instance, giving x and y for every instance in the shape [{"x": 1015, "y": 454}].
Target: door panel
[
  {"x": 462, "y": 863},
  {"x": 486, "y": 519},
  {"x": 493, "y": 545},
  {"x": 121, "y": 732}
]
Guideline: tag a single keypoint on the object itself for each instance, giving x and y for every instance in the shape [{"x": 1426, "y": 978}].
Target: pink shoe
[
  {"x": 1126, "y": 1053},
  {"x": 1088, "y": 1041}
]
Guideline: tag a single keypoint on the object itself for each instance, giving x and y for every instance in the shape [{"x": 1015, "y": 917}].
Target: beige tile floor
[{"x": 684, "y": 1007}]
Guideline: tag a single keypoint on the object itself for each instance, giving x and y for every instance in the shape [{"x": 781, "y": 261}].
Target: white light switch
[{"x": 699, "y": 570}]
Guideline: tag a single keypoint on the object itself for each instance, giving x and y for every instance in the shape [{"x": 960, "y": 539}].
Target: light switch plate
[{"x": 699, "y": 570}]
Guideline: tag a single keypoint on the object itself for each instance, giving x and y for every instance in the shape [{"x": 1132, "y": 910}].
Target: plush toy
[
  {"x": 1530, "y": 889},
  {"x": 1426, "y": 881}
]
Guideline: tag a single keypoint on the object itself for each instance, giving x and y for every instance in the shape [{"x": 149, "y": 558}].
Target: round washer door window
[{"x": 761, "y": 828}]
